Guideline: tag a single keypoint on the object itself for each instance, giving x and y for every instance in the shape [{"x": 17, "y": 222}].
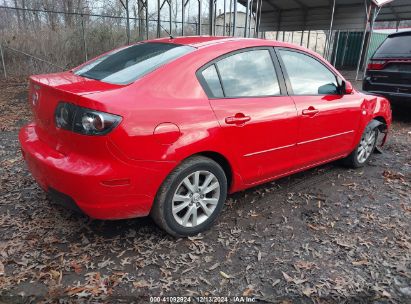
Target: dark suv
[{"x": 389, "y": 70}]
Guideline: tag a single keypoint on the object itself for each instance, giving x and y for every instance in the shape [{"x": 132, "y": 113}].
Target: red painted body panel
[{"x": 167, "y": 117}]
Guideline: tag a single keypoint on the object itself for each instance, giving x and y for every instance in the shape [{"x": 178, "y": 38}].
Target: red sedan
[{"x": 168, "y": 127}]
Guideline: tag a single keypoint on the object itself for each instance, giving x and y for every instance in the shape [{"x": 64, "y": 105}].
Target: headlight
[{"x": 84, "y": 121}]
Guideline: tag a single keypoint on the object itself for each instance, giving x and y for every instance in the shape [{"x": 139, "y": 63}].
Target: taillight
[
  {"x": 376, "y": 64},
  {"x": 84, "y": 121}
]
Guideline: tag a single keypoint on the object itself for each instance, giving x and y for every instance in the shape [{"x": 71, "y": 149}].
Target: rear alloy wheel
[
  {"x": 361, "y": 155},
  {"x": 191, "y": 197},
  {"x": 196, "y": 198}
]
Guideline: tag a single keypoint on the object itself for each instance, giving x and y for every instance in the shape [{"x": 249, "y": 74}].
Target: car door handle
[
  {"x": 311, "y": 111},
  {"x": 238, "y": 119}
]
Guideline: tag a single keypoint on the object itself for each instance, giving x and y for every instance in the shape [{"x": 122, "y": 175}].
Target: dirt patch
[{"x": 324, "y": 235}]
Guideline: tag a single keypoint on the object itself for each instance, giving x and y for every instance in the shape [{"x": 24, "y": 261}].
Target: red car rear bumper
[{"x": 102, "y": 189}]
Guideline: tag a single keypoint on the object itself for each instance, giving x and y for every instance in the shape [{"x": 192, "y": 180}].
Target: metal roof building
[{"x": 291, "y": 15}]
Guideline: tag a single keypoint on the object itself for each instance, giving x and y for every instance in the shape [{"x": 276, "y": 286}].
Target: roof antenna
[{"x": 168, "y": 33}]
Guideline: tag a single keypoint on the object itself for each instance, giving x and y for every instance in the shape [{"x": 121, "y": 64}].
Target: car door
[
  {"x": 258, "y": 120},
  {"x": 327, "y": 119}
]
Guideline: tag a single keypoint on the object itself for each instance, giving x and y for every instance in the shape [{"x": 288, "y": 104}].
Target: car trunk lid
[{"x": 46, "y": 91}]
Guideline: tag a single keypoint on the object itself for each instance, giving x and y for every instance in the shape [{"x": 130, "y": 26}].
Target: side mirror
[{"x": 347, "y": 87}]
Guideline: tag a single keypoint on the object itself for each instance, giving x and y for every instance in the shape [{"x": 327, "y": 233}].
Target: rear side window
[
  {"x": 248, "y": 74},
  {"x": 213, "y": 82},
  {"x": 307, "y": 75},
  {"x": 126, "y": 65},
  {"x": 395, "y": 46}
]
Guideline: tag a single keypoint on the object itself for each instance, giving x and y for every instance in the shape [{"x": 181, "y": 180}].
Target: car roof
[
  {"x": 209, "y": 41},
  {"x": 195, "y": 41},
  {"x": 204, "y": 41},
  {"x": 237, "y": 42}
]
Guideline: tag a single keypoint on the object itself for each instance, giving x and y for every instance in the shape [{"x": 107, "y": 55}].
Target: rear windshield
[
  {"x": 395, "y": 46},
  {"x": 126, "y": 65}
]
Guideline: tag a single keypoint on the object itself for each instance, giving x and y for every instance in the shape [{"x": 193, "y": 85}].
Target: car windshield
[
  {"x": 127, "y": 64},
  {"x": 397, "y": 45}
]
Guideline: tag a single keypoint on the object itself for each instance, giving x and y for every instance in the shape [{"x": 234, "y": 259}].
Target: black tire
[
  {"x": 161, "y": 211},
  {"x": 351, "y": 160}
]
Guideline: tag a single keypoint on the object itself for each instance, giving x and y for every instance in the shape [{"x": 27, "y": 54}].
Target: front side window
[
  {"x": 307, "y": 75},
  {"x": 248, "y": 74},
  {"x": 126, "y": 65}
]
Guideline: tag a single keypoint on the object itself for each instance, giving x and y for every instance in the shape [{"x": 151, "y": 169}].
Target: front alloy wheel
[
  {"x": 366, "y": 145},
  {"x": 361, "y": 154}
]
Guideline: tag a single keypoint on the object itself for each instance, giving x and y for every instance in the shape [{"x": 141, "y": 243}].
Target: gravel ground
[{"x": 322, "y": 236}]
